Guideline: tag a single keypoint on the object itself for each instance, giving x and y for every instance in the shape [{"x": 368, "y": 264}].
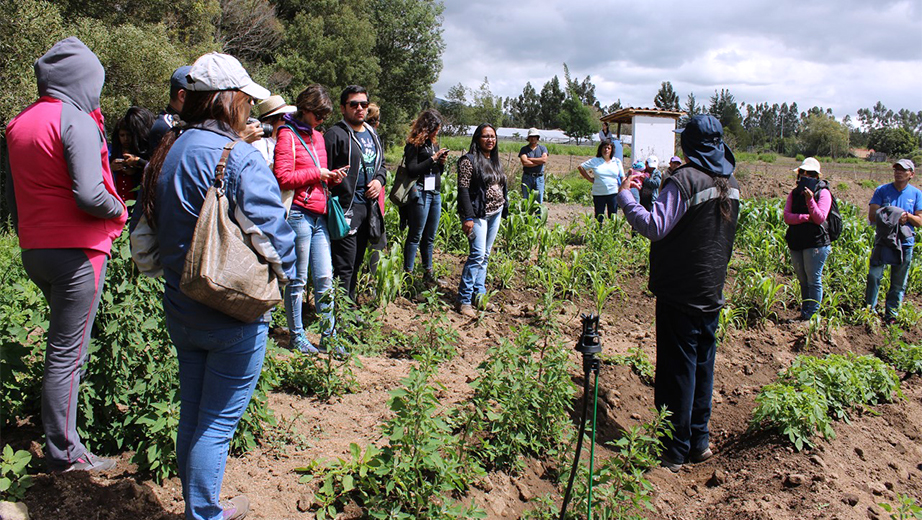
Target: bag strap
[
  {"x": 312, "y": 153},
  {"x": 222, "y": 166}
]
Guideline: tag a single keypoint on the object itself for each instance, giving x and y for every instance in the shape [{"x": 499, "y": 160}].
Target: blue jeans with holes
[
  {"x": 424, "y": 215},
  {"x": 312, "y": 245},
  {"x": 898, "y": 276},
  {"x": 533, "y": 183},
  {"x": 685, "y": 348},
  {"x": 218, "y": 371},
  {"x": 808, "y": 266},
  {"x": 474, "y": 274}
]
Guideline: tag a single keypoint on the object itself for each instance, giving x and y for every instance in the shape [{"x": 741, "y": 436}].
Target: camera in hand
[
  {"x": 266, "y": 127},
  {"x": 807, "y": 182}
]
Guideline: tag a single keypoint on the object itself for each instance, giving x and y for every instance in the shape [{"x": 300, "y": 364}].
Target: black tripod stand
[{"x": 589, "y": 345}]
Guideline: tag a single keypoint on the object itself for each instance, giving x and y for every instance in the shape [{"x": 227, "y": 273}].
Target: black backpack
[{"x": 833, "y": 220}]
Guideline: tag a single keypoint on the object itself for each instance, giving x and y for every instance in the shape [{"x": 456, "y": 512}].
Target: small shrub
[
  {"x": 797, "y": 413},
  {"x": 904, "y": 357},
  {"x": 640, "y": 364},
  {"x": 842, "y": 186},
  {"x": 799, "y": 158},
  {"x": 868, "y": 183},
  {"x": 14, "y": 479}
]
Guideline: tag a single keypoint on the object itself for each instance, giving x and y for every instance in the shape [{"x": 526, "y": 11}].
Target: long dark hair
[
  {"x": 429, "y": 121},
  {"x": 315, "y": 99},
  {"x": 228, "y": 106},
  {"x": 490, "y": 171},
  {"x": 603, "y": 144},
  {"x": 137, "y": 122},
  {"x": 723, "y": 201}
]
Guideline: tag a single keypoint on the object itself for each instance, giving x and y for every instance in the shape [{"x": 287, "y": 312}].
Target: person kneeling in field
[{"x": 692, "y": 226}]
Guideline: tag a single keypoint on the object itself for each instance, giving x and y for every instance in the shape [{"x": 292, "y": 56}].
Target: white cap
[
  {"x": 809, "y": 165},
  {"x": 533, "y": 132},
  {"x": 652, "y": 161},
  {"x": 216, "y": 71}
]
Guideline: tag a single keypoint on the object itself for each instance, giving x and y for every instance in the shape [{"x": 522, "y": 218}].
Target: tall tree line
[{"x": 393, "y": 47}]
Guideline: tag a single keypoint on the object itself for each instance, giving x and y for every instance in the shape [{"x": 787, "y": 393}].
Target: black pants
[
  {"x": 349, "y": 252},
  {"x": 685, "y": 348}
]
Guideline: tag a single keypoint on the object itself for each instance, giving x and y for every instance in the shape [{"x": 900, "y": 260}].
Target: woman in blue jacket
[{"x": 220, "y": 358}]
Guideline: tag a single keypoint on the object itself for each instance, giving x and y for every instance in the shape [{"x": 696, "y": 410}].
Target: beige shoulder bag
[{"x": 221, "y": 270}]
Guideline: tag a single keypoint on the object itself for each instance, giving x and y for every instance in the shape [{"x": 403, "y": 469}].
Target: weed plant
[
  {"x": 620, "y": 489},
  {"x": 907, "y": 508},
  {"x": 14, "y": 477},
  {"x": 437, "y": 339},
  {"x": 639, "y": 362},
  {"x": 414, "y": 475},
  {"x": 520, "y": 402},
  {"x": 903, "y": 356},
  {"x": 321, "y": 375},
  {"x": 814, "y": 391}
]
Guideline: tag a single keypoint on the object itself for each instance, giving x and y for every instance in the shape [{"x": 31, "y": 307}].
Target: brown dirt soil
[{"x": 874, "y": 457}]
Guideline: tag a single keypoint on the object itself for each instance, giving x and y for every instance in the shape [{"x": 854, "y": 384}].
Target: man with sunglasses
[
  {"x": 901, "y": 203},
  {"x": 352, "y": 142}
]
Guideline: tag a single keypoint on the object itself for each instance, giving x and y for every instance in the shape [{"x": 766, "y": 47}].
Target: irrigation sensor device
[{"x": 589, "y": 345}]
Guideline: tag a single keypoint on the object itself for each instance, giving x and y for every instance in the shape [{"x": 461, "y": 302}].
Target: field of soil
[{"x": 752, "y": 475}]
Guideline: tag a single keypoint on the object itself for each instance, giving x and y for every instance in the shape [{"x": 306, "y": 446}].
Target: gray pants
[{"x": 72, "y": 286}]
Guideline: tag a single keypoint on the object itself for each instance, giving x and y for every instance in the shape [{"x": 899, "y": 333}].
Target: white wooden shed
[{"x": 651, "y": 131}]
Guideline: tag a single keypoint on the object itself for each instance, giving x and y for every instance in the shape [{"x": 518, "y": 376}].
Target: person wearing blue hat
[
  {"x": 691, "y": 226},
  {"x": 170, "y": 114}
]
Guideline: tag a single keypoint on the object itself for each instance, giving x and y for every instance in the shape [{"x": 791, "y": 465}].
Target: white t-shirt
[
  {"x": 608, "y": 175},
  {"x": 266, "y": 146}
]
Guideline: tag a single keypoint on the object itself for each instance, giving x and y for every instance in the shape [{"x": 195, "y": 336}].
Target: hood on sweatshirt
[{"x": 70, "y": 71}]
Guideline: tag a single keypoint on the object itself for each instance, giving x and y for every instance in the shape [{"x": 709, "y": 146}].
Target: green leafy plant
[
  {"x": 620, "y": 489},
  {"x": 321, "y": 375},
  {"x": 797, "y": 413},
  {"x": 907, "y": 508},
  {"x": 903, "y": 356},
  {"x": 520, "y": 401},
  {"x": 413, "y": 476},
  {"x": 639, "y": 362},
  {"x": 813, "y": 391},
  {"x": 14, "y": 478}
]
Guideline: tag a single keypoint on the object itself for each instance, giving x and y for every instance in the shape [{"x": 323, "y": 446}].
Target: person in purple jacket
[{"x": 691, "y": 226}]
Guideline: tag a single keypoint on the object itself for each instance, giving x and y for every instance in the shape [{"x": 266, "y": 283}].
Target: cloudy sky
[{"x": 840, "y": 54}]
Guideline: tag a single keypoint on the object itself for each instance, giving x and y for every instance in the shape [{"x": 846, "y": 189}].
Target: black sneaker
[
  {"x": 890, "y": 320},
  {"x": 674, "y": 467},
  {"x": 86, "y": 462}
]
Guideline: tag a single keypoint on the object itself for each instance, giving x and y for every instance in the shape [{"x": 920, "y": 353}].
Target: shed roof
[{"x": 626, "y": 115}]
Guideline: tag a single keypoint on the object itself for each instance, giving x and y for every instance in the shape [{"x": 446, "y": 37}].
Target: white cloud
[{"x": 841, "y": 54}]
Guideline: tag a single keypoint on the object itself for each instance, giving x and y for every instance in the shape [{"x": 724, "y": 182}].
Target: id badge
[{"x": 429, "y": 182}]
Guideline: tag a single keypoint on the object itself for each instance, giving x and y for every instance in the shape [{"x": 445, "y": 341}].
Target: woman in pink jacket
[
  {"x": 805, "y": 214},
  {"x": 301, "y": 168},
  {"x": 68, "y": 214}
]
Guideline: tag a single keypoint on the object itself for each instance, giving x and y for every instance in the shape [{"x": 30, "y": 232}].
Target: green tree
[
  {"x": 408, "y": 47},
  {"x": 895, "y": 142},
  {"x": 666, "y": 98},
  {"x": 577, "y": 120},
  {"x": 552, "y": 98},
  {"x": 329, "y": 42},
  {"x": 526, "y": 109},
  {"x": 455, "y": 111},
  {"x": 29, "y": 28},
  {"x": 486, "y": 108},
  {"x": 822, "y": 135}
]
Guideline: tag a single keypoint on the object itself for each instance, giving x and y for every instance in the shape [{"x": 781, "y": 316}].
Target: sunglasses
[
  {"x": 320, "y": 117},
  {"x": 356, "y": 104}
]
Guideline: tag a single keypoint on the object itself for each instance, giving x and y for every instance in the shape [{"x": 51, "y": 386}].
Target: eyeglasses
[{"x": 356, "y": 104}]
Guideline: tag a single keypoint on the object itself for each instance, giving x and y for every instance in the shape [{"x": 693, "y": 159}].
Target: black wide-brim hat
[{"x": 703, "y": 145}]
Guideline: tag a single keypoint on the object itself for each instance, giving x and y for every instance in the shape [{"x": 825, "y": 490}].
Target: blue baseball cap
[{"x": 703, "y": 145}]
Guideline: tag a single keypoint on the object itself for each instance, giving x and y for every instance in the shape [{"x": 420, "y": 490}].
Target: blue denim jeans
[
  {"x": 808, "y": 266},
  {"x": 218, "y": 371},
  {"x": 312, "y": 245},
  {"x": 685, "y": 347},
  {"x": 898, "y": 276},
  {"x": 533, "y": 183},
  {"x": 474, "y": 274},
  {"x": 423, "y": 219}
]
